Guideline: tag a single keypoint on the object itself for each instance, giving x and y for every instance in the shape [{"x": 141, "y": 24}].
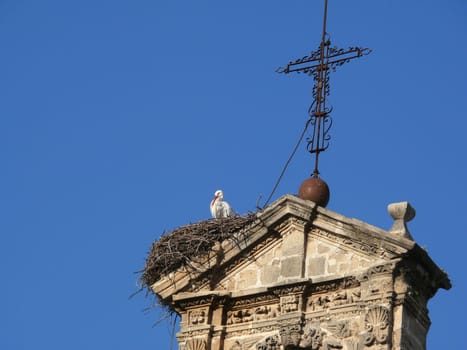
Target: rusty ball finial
[{"x": 316, "y": 190}]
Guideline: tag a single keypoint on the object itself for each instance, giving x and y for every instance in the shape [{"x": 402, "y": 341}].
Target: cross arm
[{"x": 333, "y": 58}]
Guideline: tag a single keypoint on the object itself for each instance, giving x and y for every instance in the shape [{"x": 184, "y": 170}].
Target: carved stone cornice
[
  {"x": 291, "y": 224},
  {"x": 382, "y": 269},
  {"x": 298, "y": 287},
  {"x": 205, "y": 300},
  {"x": 238, "y": 330},
  {"x": 253, "y": 300},
  {"x": 334, "y": 284},
  {"x": 418, "y": 276},
  {"x": 366, "y": 246},
  {"x": 190, "y": 332}
]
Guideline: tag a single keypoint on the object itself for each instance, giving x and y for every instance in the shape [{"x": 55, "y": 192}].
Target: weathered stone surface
[
  {"x": 293, "y": 244},
  {"x": 271, "y": 273},
  {"x": 316, "y": 266},
  {"x": 248, "y": 279},
  {"x": 291, "y": 267}
]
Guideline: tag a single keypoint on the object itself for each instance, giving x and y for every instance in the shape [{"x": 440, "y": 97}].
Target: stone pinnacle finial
[{"x": 402, "y": 213}]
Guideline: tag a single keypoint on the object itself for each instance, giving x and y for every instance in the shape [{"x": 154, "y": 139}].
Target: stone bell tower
[{"x": 296, "y": 276}]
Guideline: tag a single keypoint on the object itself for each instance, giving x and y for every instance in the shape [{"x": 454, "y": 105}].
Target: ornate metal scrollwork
[{"x": 318, "y": 65}]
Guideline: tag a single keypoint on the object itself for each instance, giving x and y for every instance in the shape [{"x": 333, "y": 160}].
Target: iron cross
[{"x": 318, "y": 64}]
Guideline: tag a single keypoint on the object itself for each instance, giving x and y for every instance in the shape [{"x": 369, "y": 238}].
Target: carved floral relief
[
  {"x": 338, "y": 298},
  {"x": 197, "y": 317},
  {"x": 252, "y": 314},
  {"x": 195, "y": 344},
  {"x": 289, "y": 303},
  {"x": 376, "y": 326},
  {"x": 270, "y": 343},
  {"x": 291, "y": 335},
  {"x": 340, "y": 329},
  {"x": 265, "y": 312},
  {"x": 239, "y": 316},
  {"x": 312, "y": 337}
]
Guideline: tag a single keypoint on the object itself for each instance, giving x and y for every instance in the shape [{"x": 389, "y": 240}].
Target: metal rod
[
  {"x": 324, "y": 20},
  {"x": 318, "y": 64}
]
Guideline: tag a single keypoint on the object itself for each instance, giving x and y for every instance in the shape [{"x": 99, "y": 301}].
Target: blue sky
[{"x": 119, "y": 120}]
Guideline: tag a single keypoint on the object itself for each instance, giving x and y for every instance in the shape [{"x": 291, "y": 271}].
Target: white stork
[{"x": 220, "y": 208}]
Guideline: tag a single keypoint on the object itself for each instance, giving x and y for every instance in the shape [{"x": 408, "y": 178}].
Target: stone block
[
  {"x": 316, "y": 266},
  {"x": 265, "y": 258},
  {"x": 323, "y": 248},
  {"x": 293, "y": 244},
  {"x": 354, "y": 263},
  {"x": 341, "y": 255},
  {"x": 229, "y": 283},
  {"x": 270, "y": 274},
  {"x": 343, "y": 268},
  {"x": 332, "y": 266},
  {"x": 248, "y": 279},
  {"x": 291, "y": 267},
  {"x": 278, "y": 252}
]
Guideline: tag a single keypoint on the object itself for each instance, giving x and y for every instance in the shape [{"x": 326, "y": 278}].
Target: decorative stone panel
[{"x": 377, "y": 326}]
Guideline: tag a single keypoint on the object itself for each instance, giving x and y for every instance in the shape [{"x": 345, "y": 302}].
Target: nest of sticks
[{"x": 181, "y": 246}]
